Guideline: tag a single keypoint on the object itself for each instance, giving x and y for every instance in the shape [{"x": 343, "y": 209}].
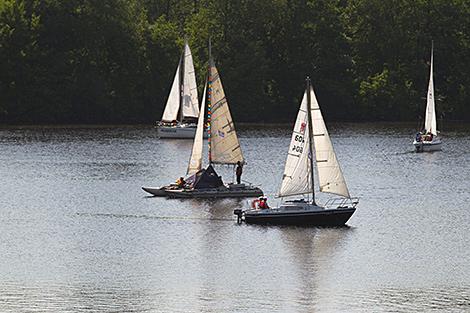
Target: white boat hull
[
  {"x": 180, "y": 131},
  {"x": 428, "y": 146}
]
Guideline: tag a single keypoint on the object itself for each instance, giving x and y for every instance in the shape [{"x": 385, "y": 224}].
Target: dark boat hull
[{"x": 323, "y": 218}]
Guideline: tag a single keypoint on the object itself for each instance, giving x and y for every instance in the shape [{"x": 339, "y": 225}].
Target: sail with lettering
[
  {"x": 190, "y": 98},
  {"x": 430, "y": 121},
  {"x": 224, "y": 144},
  {"x": 195, "y": 162},
  {"x": 296, "y": 178},
  {"x": 330, "y": 176}
]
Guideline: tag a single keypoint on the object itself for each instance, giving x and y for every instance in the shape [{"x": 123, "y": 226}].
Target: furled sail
[
  {"x": 296, "y": 178},
  {"x": 330, "y": 176},
  {"x": 190, "y": 98},
  {"x": 173, "y": 102},
  {"x": 195, "y": 162},
  {"x": 224, "y": 144},
  {"x": 430, "y": 122}
]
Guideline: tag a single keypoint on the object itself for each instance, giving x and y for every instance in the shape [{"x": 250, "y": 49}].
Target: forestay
[
  {"x": 195, "y": 162},
  {"x": 330, "y": 176},
  {"x": 190, "y": 98},
  {"x": 225, "y": 147},
  {"x": 173, "y": 102},
  {"x": 296, "y": 178},
  {"x": 430, "y": 122}
]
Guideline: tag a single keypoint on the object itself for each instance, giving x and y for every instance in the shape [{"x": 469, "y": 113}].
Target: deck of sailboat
[
  {"x": 219, "y": 192},
  {"x": 428, "y": 146}
]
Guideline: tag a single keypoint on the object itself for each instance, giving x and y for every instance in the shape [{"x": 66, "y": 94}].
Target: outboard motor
[{"x": 239, "y": 214}]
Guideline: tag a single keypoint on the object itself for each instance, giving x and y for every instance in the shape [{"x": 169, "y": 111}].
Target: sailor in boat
[
  {"x": 260, "y": 203},
  {"x": 181, "y": 182},
  {"x": 428, "y": 136},
  {"x": 418, "y": 137},
  {"x": 263, "y": 204},
  {"x": 238, "y": 172}
]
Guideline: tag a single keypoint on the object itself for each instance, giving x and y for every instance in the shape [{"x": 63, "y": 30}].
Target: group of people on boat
[
  {"x": 260, "y": 203},
  {"x": 182, "y": 183},
  {"x": 424, "y": 136},
  {"x": 167, "y": 124}
]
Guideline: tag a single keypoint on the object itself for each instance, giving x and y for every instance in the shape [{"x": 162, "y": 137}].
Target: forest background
[{"x": 113, "y": 61}]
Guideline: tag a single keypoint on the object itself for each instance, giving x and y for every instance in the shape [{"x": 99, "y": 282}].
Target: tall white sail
[
  {"x": 296, "y": 178},
  {"x": 430, "y": 122},
  {"x": 190, "y": 98},
  {"x": 173, "y": 102},
  {"x": 195, "y": 162},
  {"x": 330, "y": 176},
  {"x": 224, "y": 144}
]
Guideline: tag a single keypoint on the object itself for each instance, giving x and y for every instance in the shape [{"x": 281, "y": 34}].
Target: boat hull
[
  {"x": 180, "y": 131},
  {"x": 161, "y": 191},
  {"x": 221, "y": 192},
  {"x": 156, "y": 191},
  {"x": 427, "y": 146},
  {"x": 322, "y": 218}
]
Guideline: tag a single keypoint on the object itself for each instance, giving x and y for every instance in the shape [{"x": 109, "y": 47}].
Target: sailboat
[
  {"x": 428, "y": 139},
  {"x": 223, "y": 148},
  {"x": 309, "y": 138},
  {"x": 195, "y": 161},
  {"x": 182, "y": 107}
]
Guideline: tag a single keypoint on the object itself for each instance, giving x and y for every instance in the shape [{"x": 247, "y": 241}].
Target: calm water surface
[{"x": 77, "y": 234}]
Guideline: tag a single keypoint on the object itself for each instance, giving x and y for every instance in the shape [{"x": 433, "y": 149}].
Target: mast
[
  {"x": 310, "y": 136},
  {"x": 183, "y": 59},
  {"x": 209, "y": 102}
]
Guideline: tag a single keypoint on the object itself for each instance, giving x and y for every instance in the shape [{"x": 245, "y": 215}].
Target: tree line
[{"x": 113, "y": 61}]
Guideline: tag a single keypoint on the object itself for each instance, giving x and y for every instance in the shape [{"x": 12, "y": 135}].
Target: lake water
[{"x": 77, "y": 234}]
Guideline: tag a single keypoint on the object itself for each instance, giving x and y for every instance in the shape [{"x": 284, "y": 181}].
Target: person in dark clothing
[{"x": 239, "y": 172}]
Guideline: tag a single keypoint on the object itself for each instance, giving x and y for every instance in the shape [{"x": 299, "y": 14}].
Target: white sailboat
[
  {"x": 310, "y": 137},
  {"x": 223, "y": 148},
  {"x": 428, "y": 139},
  {"x": 182, "y": 107}
]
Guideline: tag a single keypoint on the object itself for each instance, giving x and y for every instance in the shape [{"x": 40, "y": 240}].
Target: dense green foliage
[{"x": 113, "y": 61}]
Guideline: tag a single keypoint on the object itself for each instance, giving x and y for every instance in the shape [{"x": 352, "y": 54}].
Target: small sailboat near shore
[
  {"x": 223, "y": 148},
  {"x": 182, "y": 107},
  {"x": 309, "y": 138},
  {"x": 428, "y": 139}
]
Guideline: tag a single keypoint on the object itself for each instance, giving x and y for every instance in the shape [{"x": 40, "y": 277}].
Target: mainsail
[
  {"x": 296, "y": 178},
  {"x": 224, "y": 144},
  {"x": 195, "y": 162},
  {"x": 173, "y": 102},
  {"x": 190, "y": 98},
  {"x": 430, "y": 122},
  {"x": 330, "y": 176}
]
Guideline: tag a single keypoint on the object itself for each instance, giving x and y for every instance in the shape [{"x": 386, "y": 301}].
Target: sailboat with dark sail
[{"x": 309, "y": 138}]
